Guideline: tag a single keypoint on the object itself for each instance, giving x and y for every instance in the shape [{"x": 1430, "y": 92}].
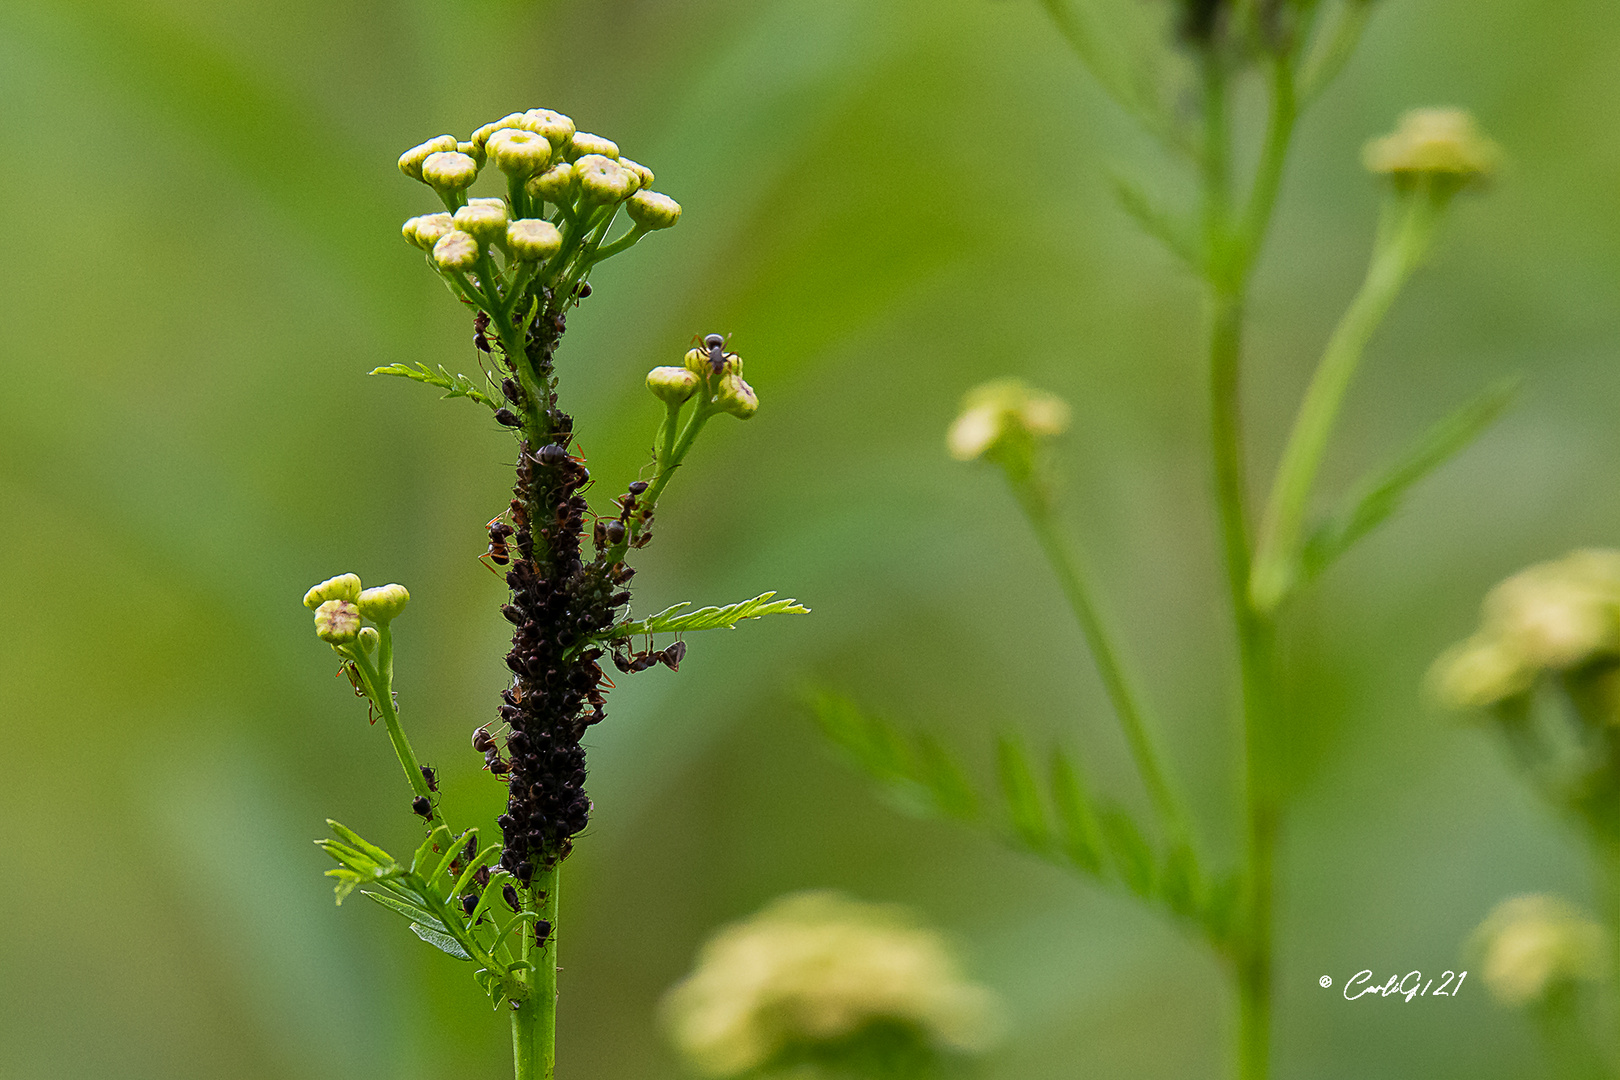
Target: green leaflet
[
  {"x": 1024, "y": 809},
  {"x": 415, "y": 912},
  {"x": 1081, "y": 836},
  {"x": 442, "y": 942},
  {"x": 452, "y": 385},
  {"x": 1378, "y": 496},
  {"x": 677, "y": 620}
]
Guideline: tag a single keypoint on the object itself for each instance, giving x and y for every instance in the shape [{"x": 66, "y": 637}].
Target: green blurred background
[{"x": 884, "y": 203}]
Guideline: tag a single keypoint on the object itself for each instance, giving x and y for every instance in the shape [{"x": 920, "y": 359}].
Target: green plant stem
[
  {"x": 380, "y": 677},
  {"x": 1608, "y": 860},
  {"x": 1037, "y": 505},
  {"x": 534, "y": 1021},
  {"x": 1406, "y": 233},
  {"x": 670, "y": 456}
]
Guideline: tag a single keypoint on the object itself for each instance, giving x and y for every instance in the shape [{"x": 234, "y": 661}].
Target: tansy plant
[
  {"x": 1269, "y": 550},
  {"x": 518, "y": 261},
  {"x": 1543, "y": 670}
]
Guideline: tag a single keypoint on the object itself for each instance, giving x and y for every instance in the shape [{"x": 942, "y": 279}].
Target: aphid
[
  {"x": 431, "y": 777},
  {"x": 422, "y": 807},
  {"x": 481, "y": 876},
  {"x": 542, "y": 932},
  {"x": 469, "y": 903},
  {"x": 510, "y": 895},
  {"x": 584, "y": 289},
  {"x": 525, "y": 871},
  {"x": 480, "y": 331},
  {"x": 614, "y": 531},
  {"x": 507, "y": 418},
  {"x": 470, "y": 852}
]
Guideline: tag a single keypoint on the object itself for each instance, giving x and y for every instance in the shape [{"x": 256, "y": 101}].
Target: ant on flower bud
[{"x": 423, "y": 808}]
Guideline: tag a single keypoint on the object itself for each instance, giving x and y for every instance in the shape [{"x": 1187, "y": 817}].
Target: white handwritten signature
[{"x": 1397, "y": 985}]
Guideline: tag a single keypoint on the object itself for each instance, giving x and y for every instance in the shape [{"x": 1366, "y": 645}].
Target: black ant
[
  {"x": 500, "y": 551},
  {"x": 430, "y": 776},
  {"x": 715, "y": 346}
]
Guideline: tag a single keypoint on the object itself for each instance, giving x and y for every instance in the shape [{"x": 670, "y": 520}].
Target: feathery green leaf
[
  {"x": 452, "y": 385},
  {"x": 677, "y": 620}
]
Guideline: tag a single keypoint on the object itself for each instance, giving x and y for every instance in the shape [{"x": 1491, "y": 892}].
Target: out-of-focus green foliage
[{"x": 203, "y": 263}]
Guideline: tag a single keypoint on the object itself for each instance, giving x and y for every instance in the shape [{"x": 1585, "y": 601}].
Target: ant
[
  {"x": 715, "y": 346},
  {"x": 484, "y": 743},
  {"x": 500, "y": 551}
]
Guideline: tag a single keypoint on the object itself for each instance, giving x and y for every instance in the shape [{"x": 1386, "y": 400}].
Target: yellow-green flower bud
[
  {"x": 1534, "y": 944},
  {"x": 532, "y": 240},
  {"x": 1441, "y": 143},
  {"x": 472, "y": 150},
  {"x": 449, "y": 171},
  {"x": 697, "y": 362},
  {"x": 342, "y": 587},
  {"x": 455, "y": 251},
  {"x": 736, "y": 397},
  {"x": 651, "y": 210},
  {"x": 426, "y": 230},
  {"x": 337, "y": 622},
  {"x": 368, "y": 638},
  {"x": 383, "y": 603},
  {"x": 602, "y": 180},
  {"x": 410, "y": 162},
  {"x": 520, "y": 153},
  {"x": 554, "y": 126},
  {"x": 672, "y": 384},
  {"x": 644, "y": 174},
  {"x": 554, "y": 185},
  {"x": 510, "y": 120},
  {"x": 582, "y": 143},
  {"x": 485, "y": 220},
  {"x": 998, "y": 409}
]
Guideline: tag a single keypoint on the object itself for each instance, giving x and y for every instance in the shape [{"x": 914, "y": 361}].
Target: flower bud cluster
[
  {"x": 1532, "y": 945},
  {"x": 340, "y": 604},
  {"x": 1560, "y": 617},
  {"x": 1004, "y": 414},
  {"x": 710, "y": 373},
  {"x": 563, "y": 189},
  {"x": 814, "y": 972}
]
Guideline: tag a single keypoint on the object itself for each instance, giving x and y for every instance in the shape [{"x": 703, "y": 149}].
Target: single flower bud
[
  {"x": 337, "y": 622},
  {"x": 582, "y": 143},
  {"x": 644, "y": 174},
  {"x": 601, "y": 179},
  {"x": 554, "y": 126},
  {"x": 555, "y": 185},
  {"x": 672, "y": 384},
  {"x": 532, "y": 240},
  {"x": 651, "y": 210},
  {"x": 368, "y": 638},
  {"x": 342, "y": 587},
  {"x": 1443, "y": 144},
  {"x": 1531, "y": 945},
  {"x": 485, "y": 220},
  {"x": 383, "y": 603},
  {"x": 520, "y": 153},
  {"x": 455, "y": 251},
  {"x": 426, "y": 230},
  {"x": 410, "y": 162},
  {"x": 510, "y": 120},
  {"x": 736, "y": 397},
  {"x": 449, "y": 171},
  {"x": 697, "y": 362}
]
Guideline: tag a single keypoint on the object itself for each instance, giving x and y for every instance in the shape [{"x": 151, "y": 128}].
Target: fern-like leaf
[
  {"x": 677, "y": 620},
  {"x": 452, "y": 385}
]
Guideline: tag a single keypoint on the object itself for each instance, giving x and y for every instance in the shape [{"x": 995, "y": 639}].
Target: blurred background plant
[
  {"x": 817, "y": 986},
  {"x": 1292, "y": 50},
  {"x": 187, "y": 413}
]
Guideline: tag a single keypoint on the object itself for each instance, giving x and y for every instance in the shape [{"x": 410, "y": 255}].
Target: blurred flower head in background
[
  {"x": 1003, "y": 411},
  {"x": 1554, "y": 617},
  {"x": 817, "y": 980},
  {"x": 1535, "y": 944},
  {"x": 1434, "y": 142}
]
